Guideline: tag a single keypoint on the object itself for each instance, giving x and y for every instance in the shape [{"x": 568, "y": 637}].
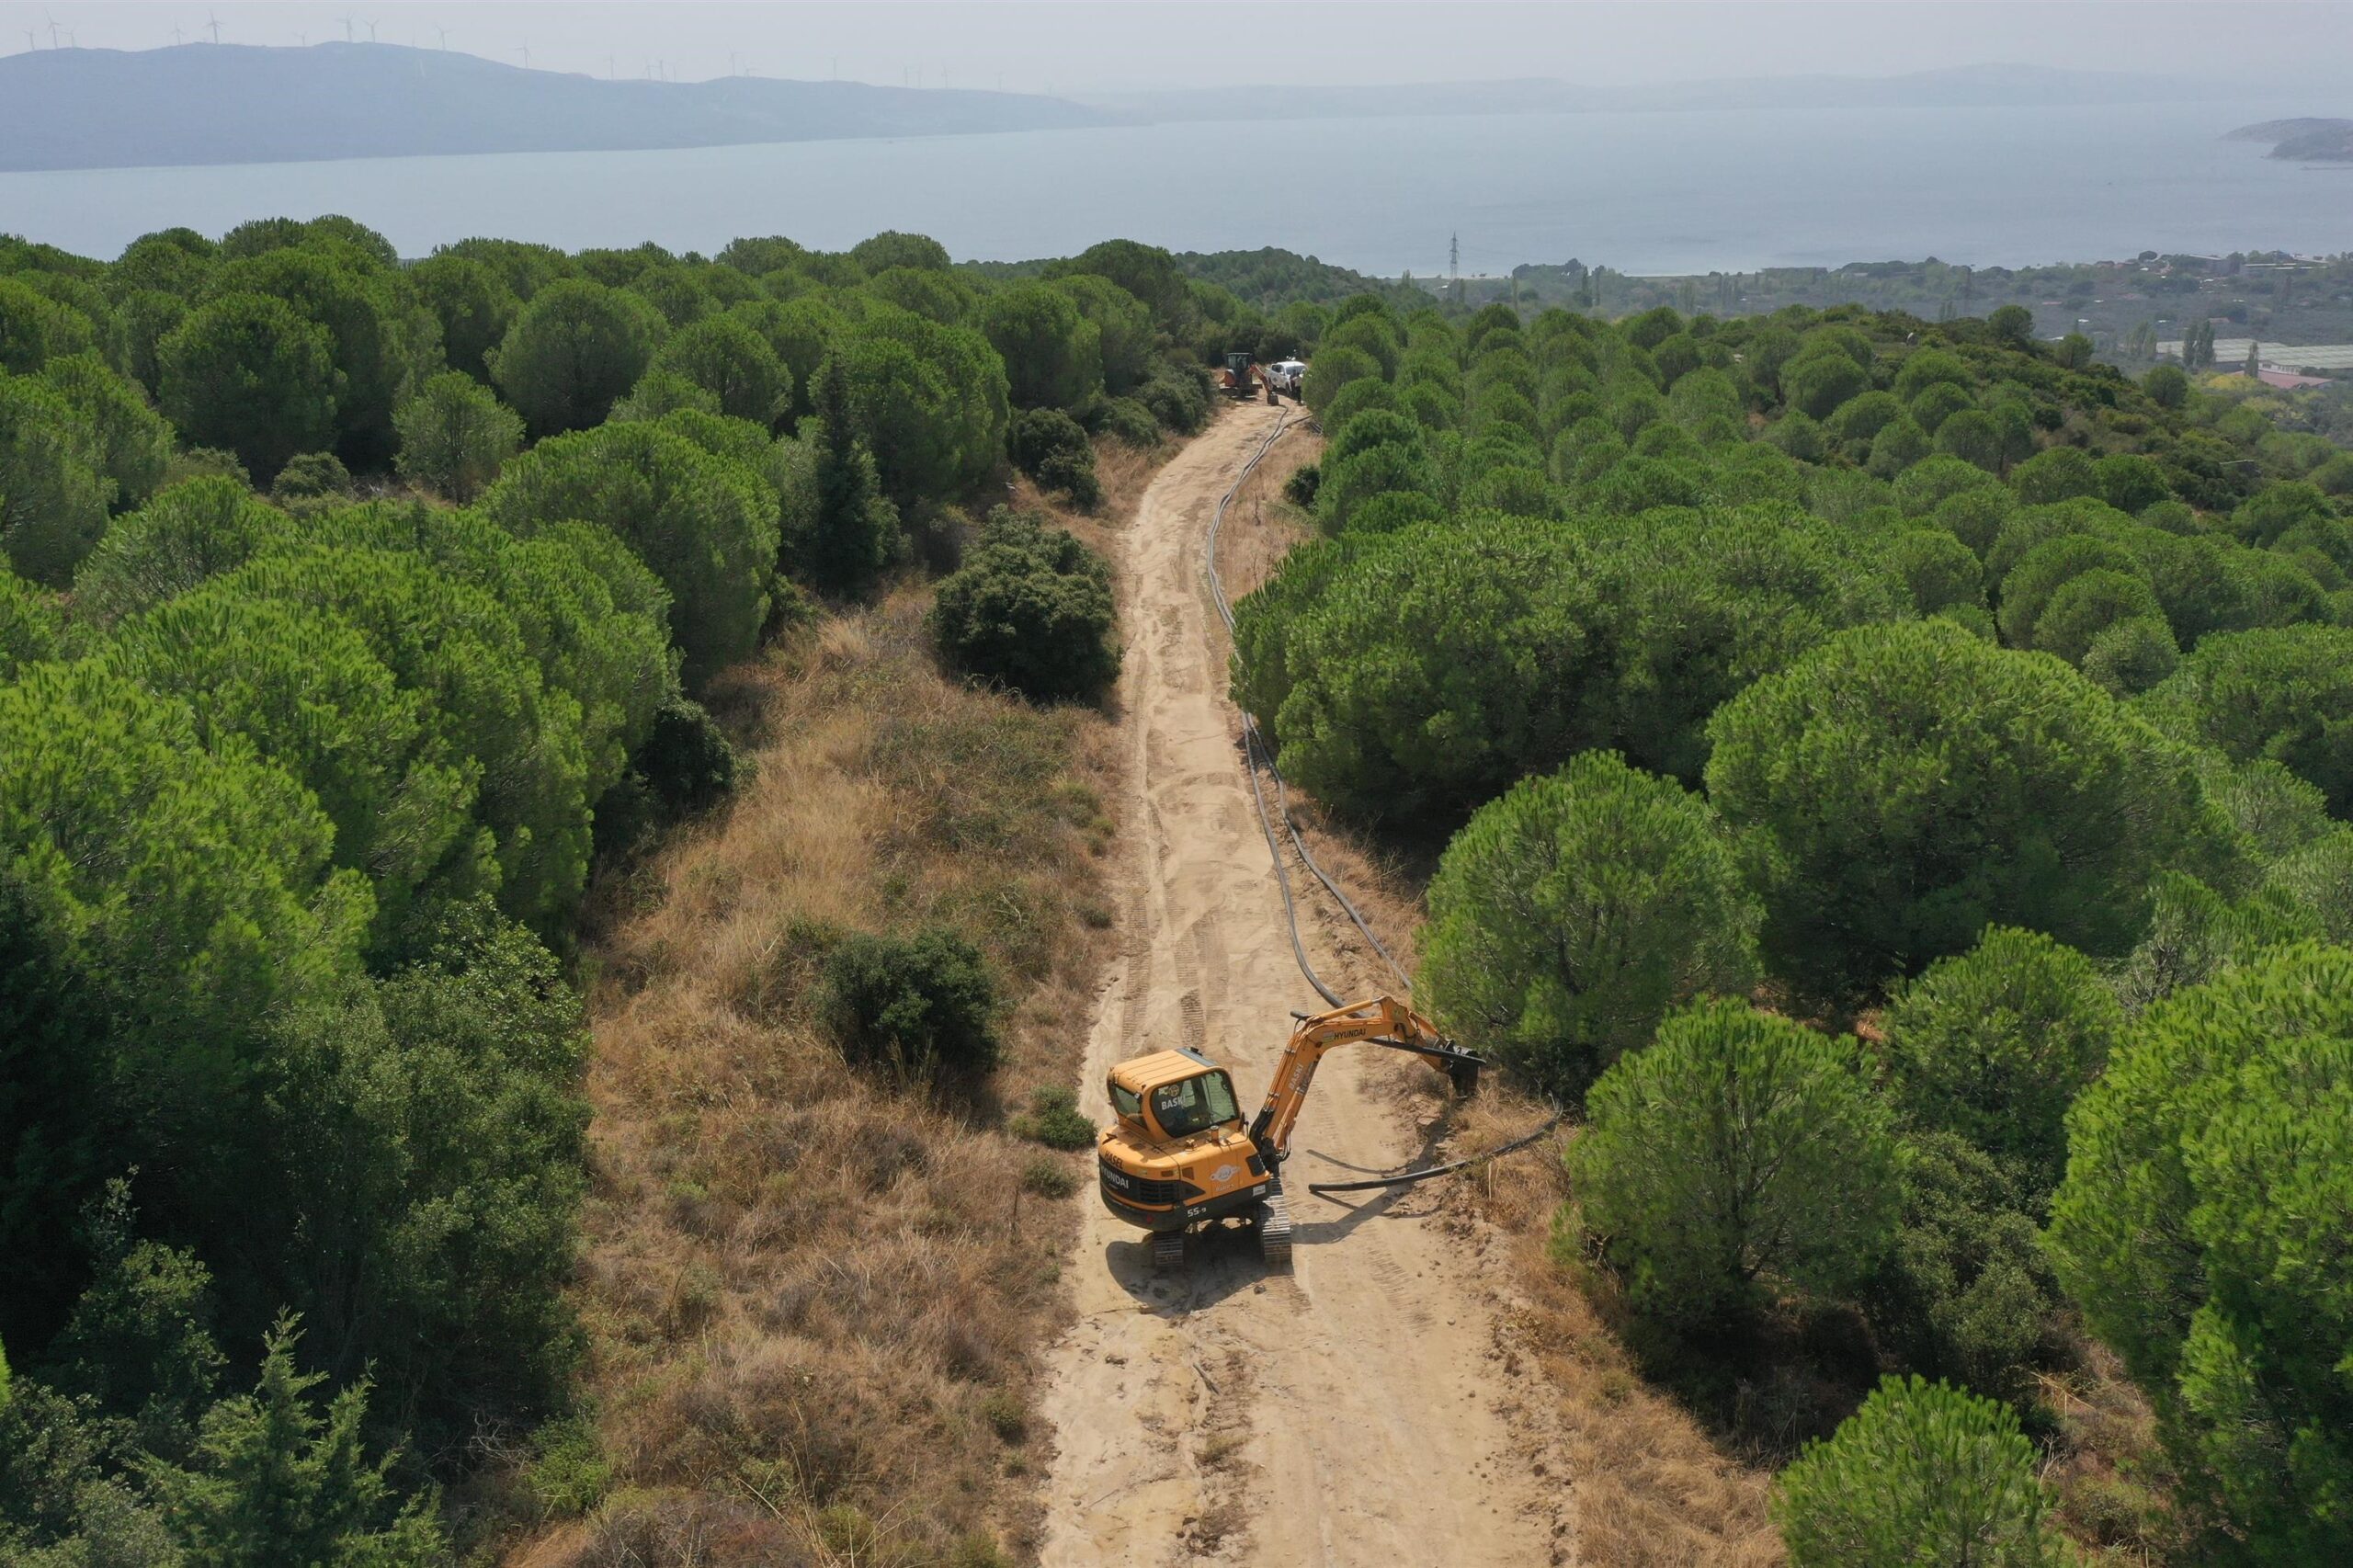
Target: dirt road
[{"x": 1356, "y": 1410}]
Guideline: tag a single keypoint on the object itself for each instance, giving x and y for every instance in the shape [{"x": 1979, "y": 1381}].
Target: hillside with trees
[
  {"x": 215, "y": 103},
  {"x": 366, "y": 631},
  {"x": 547, "y": 804},
  {"x": 1886, "y": 778}
]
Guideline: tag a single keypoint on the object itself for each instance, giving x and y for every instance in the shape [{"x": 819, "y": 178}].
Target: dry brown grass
[
  {"x": 813, "y": 1294},
  {"x": 2108, "y": 1466},
  {"x": 1261, "y": 528},
  {"x": 1652, "y": 1485}
]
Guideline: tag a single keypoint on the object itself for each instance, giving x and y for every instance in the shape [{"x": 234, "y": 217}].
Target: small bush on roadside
[
  {"x": 1178, "y": 398},
  {"x": 1044, "y": 1177},
  {"x": 1301, "y": 487},
  {"x": 978, "y": 1552},
  {"x": 925, "y": 1004},
  {"x": 1004, "y": 1413},
  {"x": 1031, "y": 609},
  {"x": 1128, "y": 420},
  {"x": 1053, "y": 1120}
]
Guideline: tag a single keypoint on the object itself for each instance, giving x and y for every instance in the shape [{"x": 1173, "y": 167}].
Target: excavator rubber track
[{"x": 1274, "y": 1230}]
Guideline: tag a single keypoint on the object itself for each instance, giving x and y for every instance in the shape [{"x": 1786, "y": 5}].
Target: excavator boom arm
[{"x": 1383, "y": 1021}]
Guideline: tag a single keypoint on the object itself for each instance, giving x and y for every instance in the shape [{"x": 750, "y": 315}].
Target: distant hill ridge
[
  {"x": 2304, "y": 141},
  {"x": 1964, "y": 86},
  {"x": 193, "y": 104},
  {"x": 79, "y": 109}
]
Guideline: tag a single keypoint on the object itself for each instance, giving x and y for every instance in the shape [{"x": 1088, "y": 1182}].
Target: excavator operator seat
[
  {"x": 1195, "y": 1103},
  {"x": 1173, "y": 1095}
]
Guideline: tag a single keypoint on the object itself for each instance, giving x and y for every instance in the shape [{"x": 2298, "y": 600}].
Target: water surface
[{"x": 1646, "y": 193}]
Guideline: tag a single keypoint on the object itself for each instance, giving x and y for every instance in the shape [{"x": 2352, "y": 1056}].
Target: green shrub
[
  {"x": 688, "y": 761},
  {"x": 1739, "y": 1151},
  {"x": 1039, "y": 434},
  {"x": 1030, "y": 607},
  {"x": 1005, "y": 1415},
  {"x": 1053, "y": 448},
  {"x": 1045, "y": 1177},
  {"x": 1923, "y": 1473},
  {"x": 1300, "y": 488},
  {"x": 921, "y": 1005},
  {"x": 570, "y": 1473},
  {"x": 1965, "y": 1292},
  {"x": 1054, "y": 1119},
  {"x": 1128, "y": 420},
  {"x": 1178, "y": 398},
  {"x": 977, "y": 1551},
  {"x": 311, "y": 476}
]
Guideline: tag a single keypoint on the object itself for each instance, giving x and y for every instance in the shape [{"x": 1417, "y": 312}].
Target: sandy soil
[{"x": 1364, "y": 1407}]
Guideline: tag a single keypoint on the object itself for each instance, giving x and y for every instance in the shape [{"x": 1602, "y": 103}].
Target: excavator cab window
[
  {"x": 1126, "y": 1102},
  {"x": 1192, "y": 1105}
]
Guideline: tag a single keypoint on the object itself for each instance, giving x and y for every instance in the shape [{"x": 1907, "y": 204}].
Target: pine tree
[
  {"x": 857, "y": 528},
  {"x": 275, "y": 1481}
]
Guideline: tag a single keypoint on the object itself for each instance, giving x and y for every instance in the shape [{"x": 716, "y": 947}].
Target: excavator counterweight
[{"x": 1178, "y": 1155}]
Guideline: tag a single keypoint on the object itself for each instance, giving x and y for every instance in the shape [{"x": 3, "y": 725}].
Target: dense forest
[
  {"x": 354, "y": 620},
  {"x": 1893, "y": 779}
]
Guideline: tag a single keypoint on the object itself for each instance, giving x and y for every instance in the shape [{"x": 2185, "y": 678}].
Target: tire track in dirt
[{"x": 1355, "y": 1410}]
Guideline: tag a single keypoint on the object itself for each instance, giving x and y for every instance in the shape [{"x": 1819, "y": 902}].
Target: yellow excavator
[{"x": 1179, "y": 1157}]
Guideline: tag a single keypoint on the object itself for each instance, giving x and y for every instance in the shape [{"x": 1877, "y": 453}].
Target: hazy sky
[{"x": 1081, "y": 45}]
